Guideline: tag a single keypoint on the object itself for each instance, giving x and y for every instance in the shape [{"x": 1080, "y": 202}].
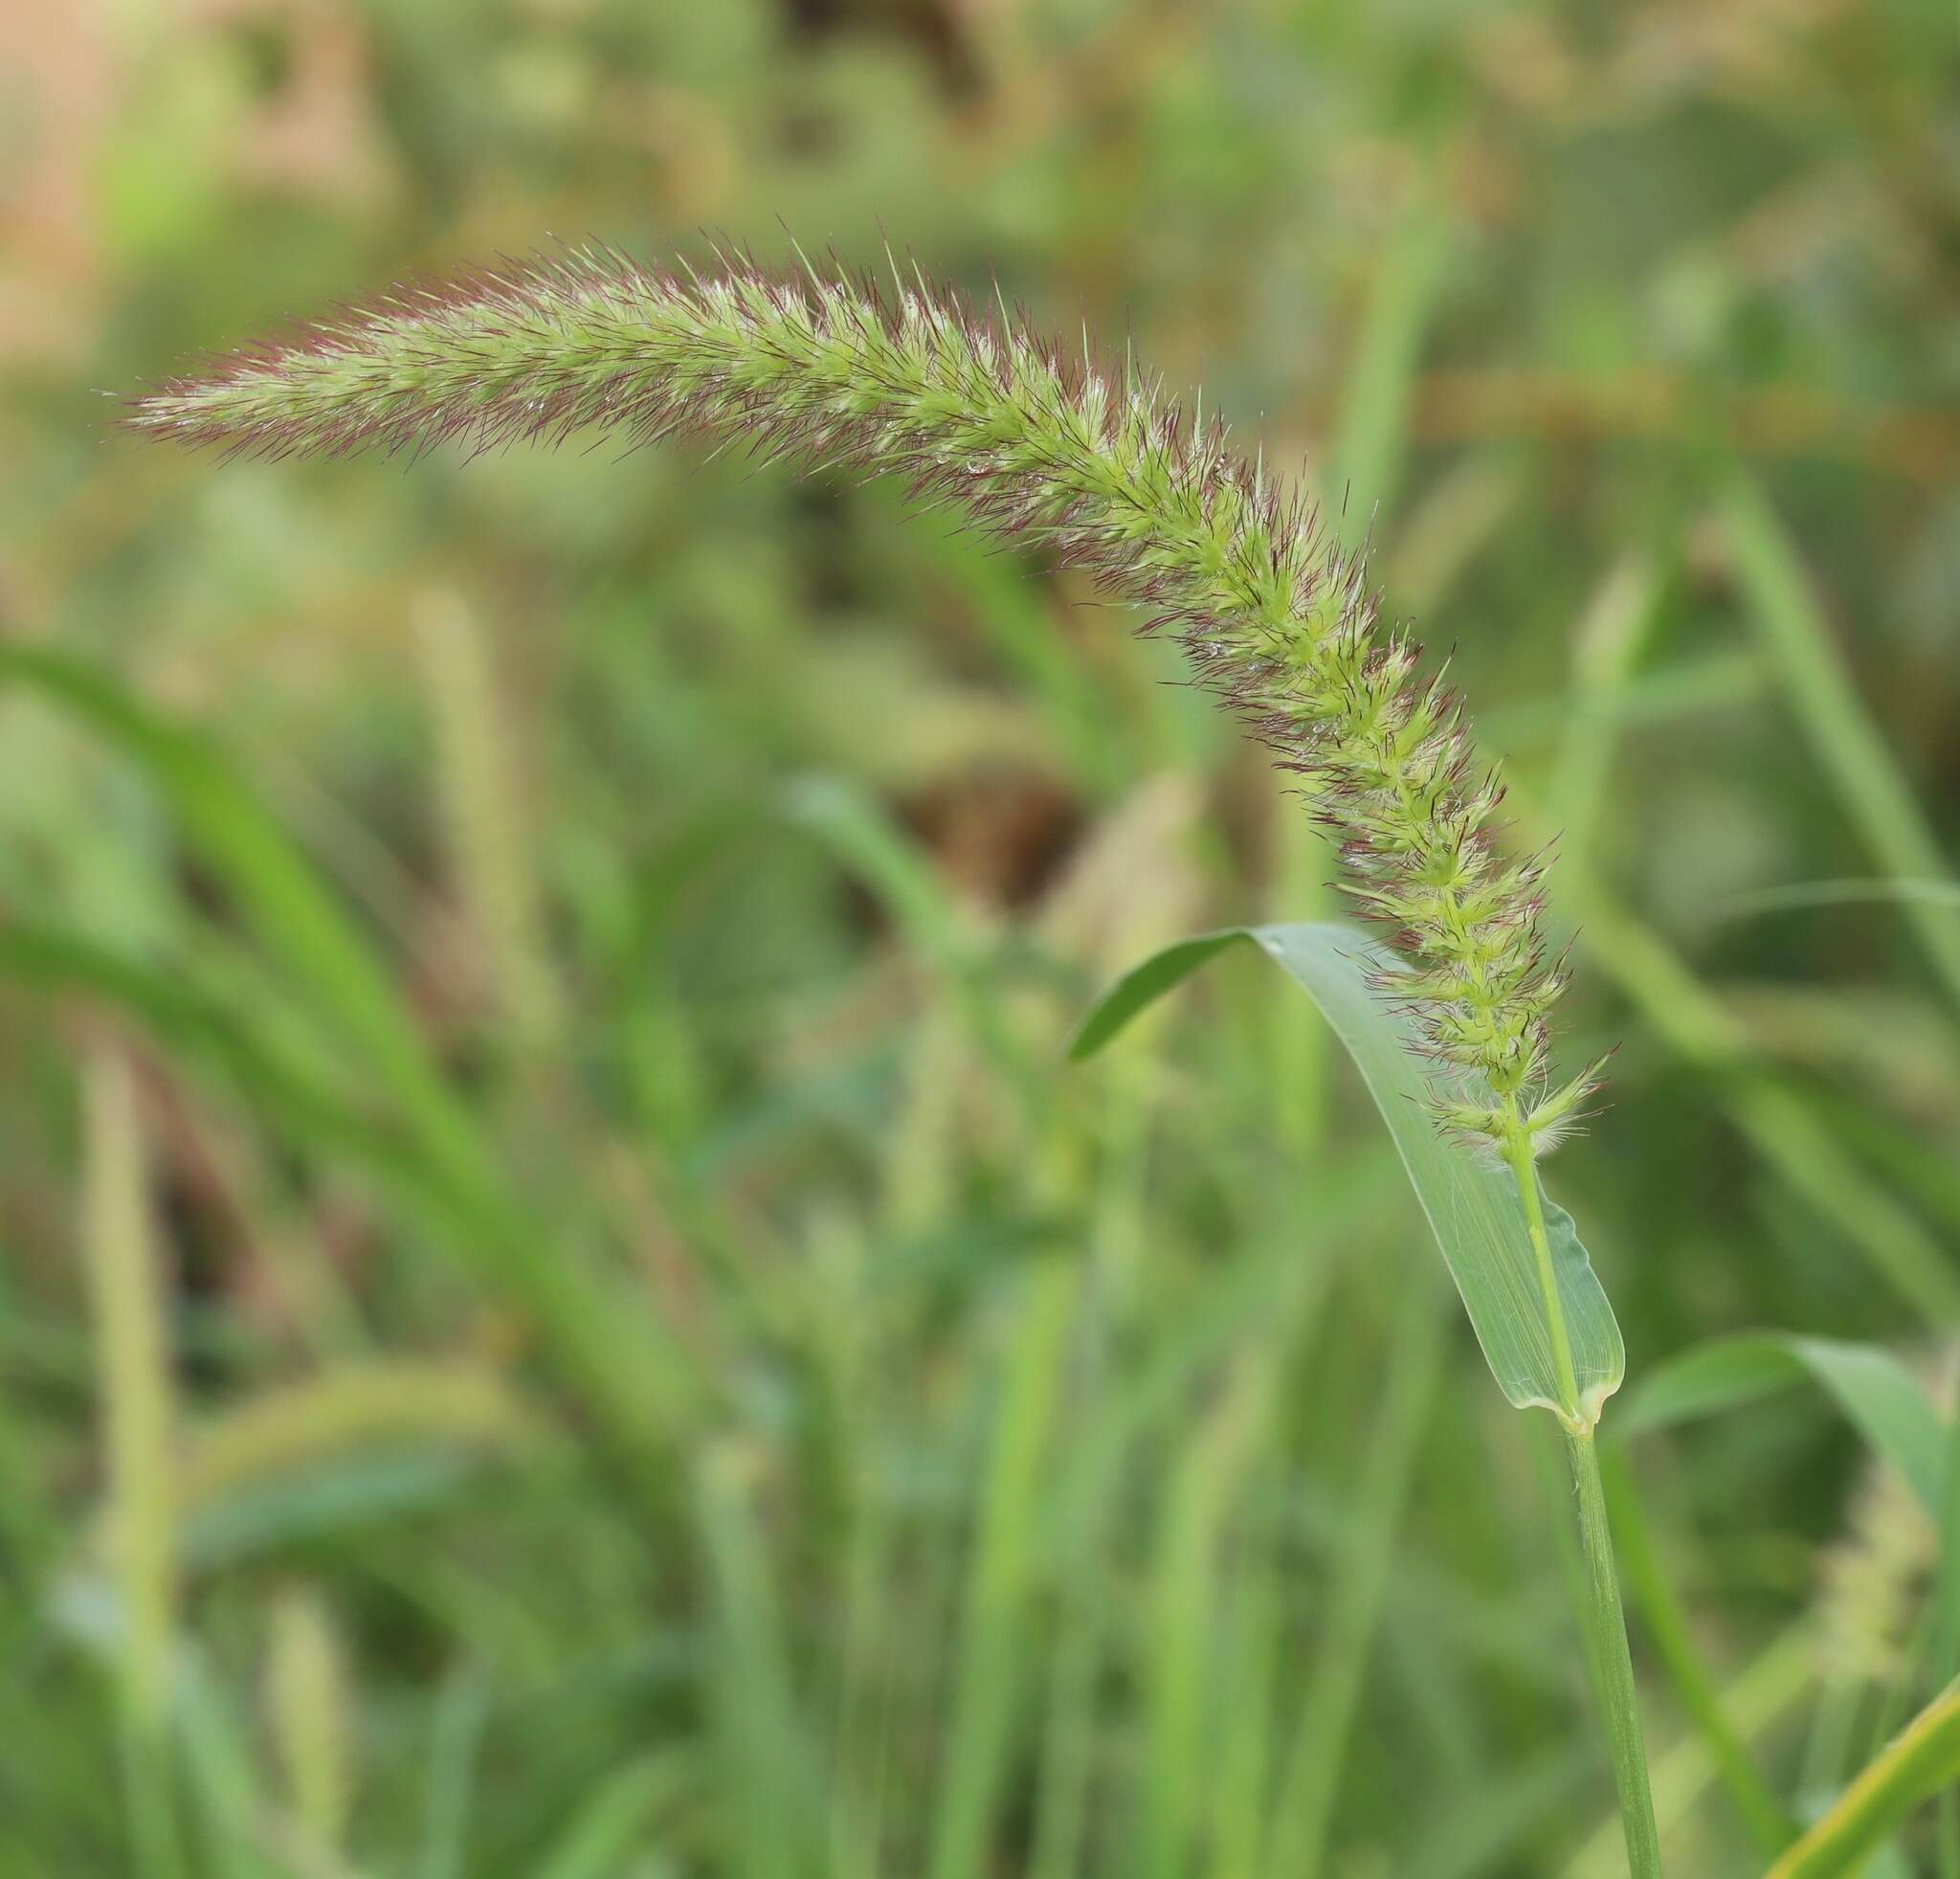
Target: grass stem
[
  {"x": 1600, "y": 1612},
  {"x": 1523, "y": 1160},
  {"x": 1606, "y": 1642}
]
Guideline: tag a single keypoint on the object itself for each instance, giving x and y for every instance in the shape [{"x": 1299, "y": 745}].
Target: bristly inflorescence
[{"x": 997, "y": 421}]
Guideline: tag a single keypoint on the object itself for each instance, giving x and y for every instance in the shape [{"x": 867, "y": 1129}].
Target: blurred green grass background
[{"x": 560, "y": 1311}]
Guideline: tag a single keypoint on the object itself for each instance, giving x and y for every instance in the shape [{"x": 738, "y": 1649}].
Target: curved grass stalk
[{"x": 990, "y": 417}]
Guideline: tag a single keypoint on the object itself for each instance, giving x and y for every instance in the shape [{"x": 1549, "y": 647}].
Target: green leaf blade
[
  {"x": 1143, "y": 985},
  {"x": 1876, "y": 1391},
  {"x": 1472, "y": 1204}
]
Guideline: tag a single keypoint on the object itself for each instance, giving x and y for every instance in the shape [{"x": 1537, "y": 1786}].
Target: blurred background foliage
[{"x": 560, "y": 1312}]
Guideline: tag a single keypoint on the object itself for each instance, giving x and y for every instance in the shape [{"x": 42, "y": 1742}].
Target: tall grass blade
[
  {"x": 617, "y": 1818},
  {"x": 1942, "y": 894},
  {"x": 331, "y": 1502},
  {"x": 993, "y": 1650},
  {"x": 1372, "y": 430},
  {"x": 1353, "y": 1610},
  {"x": 206, "y": 1032},
  {"x": 223, "y": 1784},
  {"x": 1667, "y": 1625},
  {"x": 1607, "y": 642},
  {"x": 1918, "y": 1763},
  {"x": 612, "y": 1352},
  {"x": 488, "y": 841},
  {"x": 137, "y": 1395},
  {"x": 1946, "y": 1641},
  {"x": 1019, "y": 615},
  {"x": 1487, "y": 1835},
  {"x": 1803, "y": 1149},
  {"x": 1871, "y": 1386},
  {"x": 894, "y": 869},
  {"x": 864, "y": 839},
  {"x": 1177, "y": 1690},
  {"x": 1182, "y": 1691},
  {"x": 1255, "y": 1673},
  {"x": 1834, "y": 718},
  {"x": 277, "y": 892},
  {"x": 1150, "y": 1393},
  {"x": 767, "y": 1796},
  {"x": 456, "y": 1740}
]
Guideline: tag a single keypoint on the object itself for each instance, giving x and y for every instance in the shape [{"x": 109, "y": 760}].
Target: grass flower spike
[
  {"x": 1024, "y": 438},
  {"x": 979, "y": 411}
]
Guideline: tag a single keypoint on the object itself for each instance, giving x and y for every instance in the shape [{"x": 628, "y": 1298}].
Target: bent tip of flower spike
[{"x": 992, "y": 416}]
